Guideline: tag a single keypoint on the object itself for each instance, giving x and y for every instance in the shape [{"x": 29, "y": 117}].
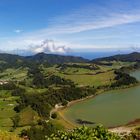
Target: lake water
[{"x": 113, "y": 108}]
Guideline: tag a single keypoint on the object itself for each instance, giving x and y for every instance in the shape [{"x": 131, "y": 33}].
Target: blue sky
[{"x": 80, "y": 25}]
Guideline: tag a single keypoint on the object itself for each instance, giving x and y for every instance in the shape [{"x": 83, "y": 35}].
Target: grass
[
  {"x": 8, "y": 136},
  {"x": 13, "y": 74},
  {"x": 5, "y": 94},
  {"x": 33, "y": 90},
  {"x": 28, "y": 117},
  {"x": 7, "y": 104},
  {"x": 63, "y": 122},
  {"x": 6, "y": 112},
  {"x": 84, "y": 77},
  {"x": 77, "y": 70},
  {"x": 91, "y": 80}
]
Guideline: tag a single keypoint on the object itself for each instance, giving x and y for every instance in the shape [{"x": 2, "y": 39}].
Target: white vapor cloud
[
  {"x": 17, "y": 31},
  {"x": 49, "y": 46},
  {"x": 104, "y": 22},
  {"x": 90, "y": 18},
  {"x": 81, "y": 20}
]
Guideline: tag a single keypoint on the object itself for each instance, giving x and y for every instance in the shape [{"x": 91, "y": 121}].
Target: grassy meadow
[{"x": 7, "y": 105}]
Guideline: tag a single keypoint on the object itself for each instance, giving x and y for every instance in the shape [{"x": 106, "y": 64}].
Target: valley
[{"x": 89, "y": 92}]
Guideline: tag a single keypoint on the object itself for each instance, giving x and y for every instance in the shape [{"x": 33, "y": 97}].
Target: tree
[{"x": 53, "y": 115}]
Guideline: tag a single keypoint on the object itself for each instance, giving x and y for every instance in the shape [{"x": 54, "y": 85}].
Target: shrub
[{"x": 54, "y": 116}]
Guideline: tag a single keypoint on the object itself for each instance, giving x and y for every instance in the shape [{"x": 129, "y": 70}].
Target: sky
[{"x": 70, "y": 25}]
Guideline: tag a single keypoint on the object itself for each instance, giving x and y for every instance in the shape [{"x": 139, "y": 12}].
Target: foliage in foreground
[
  {"x": 51, "y": 132},
  {"x": 8, "y": 136},
  {"x": 97, "y": 133},
  {"x": 134, "y": 135},
  {"x": 85, "y": 133}
]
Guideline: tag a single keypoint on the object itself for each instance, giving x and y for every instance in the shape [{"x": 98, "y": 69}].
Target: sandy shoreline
[{"x": 121, "y": 130}]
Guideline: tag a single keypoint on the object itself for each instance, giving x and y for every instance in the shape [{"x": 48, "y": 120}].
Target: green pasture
[
  {"x": 13, "y": 74},
  {"x": 6, "y": 112}
]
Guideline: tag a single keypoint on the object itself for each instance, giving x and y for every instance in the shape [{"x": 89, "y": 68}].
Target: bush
[
  {"x": 85, "y": 133},
  {"x": 135, "y": 134},
  {"x": 65, "y": 102},
  {"x": 40, "y": 133},
  {"x": 18, "y": 91},
  {"x": 8, "y": 136}
]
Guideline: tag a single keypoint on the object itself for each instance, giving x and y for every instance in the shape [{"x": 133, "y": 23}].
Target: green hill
[{"x": 132, "y": 57}]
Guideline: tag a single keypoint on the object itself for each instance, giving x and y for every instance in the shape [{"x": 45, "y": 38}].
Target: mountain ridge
[
  {"x": 131, "y": 57},
  {"x": 43, "y": 58},
  {"x": 15, "y": 61}
]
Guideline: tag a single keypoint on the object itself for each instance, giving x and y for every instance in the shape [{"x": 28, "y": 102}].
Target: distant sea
[
  {"x": 88, "y": 55},
  {"x": 93, "y": 55}
]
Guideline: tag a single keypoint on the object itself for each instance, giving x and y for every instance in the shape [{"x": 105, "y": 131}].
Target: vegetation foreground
[{"x": 81, "y": 133}]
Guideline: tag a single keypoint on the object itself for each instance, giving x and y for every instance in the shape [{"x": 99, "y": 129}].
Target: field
[
  {"x": 87, "y": 77},
  {"x": 7, "y": 104},
  {"x": 28, "y": 117},
  {"x": 6, "y": 112},
  {"x": 91, "y": 80},
  {"x": 80, "y": 76},
  {"x": 8, "y": 136},
  {"x": 13, "y": 74}
]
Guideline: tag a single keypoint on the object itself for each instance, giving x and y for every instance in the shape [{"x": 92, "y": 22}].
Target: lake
[{"x": 112, "y": 108}]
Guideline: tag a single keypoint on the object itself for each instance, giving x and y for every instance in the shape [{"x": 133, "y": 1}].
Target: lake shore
[
  {"x": 60, "y": 107},
  {"x": 60, "y": 111}
]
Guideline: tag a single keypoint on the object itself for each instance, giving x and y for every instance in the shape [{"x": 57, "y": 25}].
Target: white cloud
[
  {"x": 90, "y": 18},
  {"x": 17, "y": 31},
  {"x": 75, "y": 22},
  {"x": 104, "y": 22},
  {"x": 49, "y": 46}
]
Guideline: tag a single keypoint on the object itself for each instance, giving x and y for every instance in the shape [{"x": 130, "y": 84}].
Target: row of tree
[
  {"x": 41, "y": 81},
  {"x": 123, "y": 79},
  {"x": 44, "y": 102}
]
